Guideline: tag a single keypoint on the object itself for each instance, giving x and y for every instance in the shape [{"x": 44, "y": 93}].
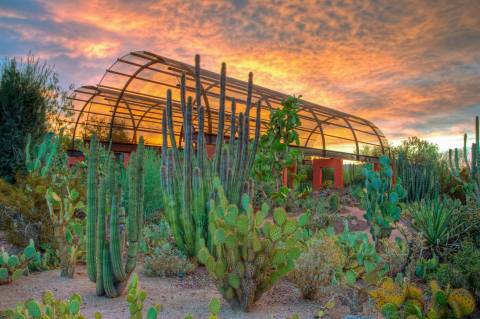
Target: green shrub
[{"x": 167, "y": 261}]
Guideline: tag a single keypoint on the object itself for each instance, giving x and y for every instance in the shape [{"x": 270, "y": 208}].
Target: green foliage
[
  {"x": 12, "y": 267},
  {"x": 187, "y": 176},
  {"x": 167, "y": 261},
  {"x": 49, "y": 307},
  {"x": 136, "y": 299},
  {"x": 361, "y": 257},
  {"x": 162, "y": 258},
  {"x": 450, "y": 303},
  {"x": 380, "y": 199},
  {"x": 152, "y": 202},
  {"x": 394, "y": 255},
  {"x": 274, "y": 153},
  {"x": 353, "y": 174},
  {"x": 442, "y": 222},
  {"x": 250, "y": 253},
  {"x": 68, "y": 230},
  {"x": 107, "y": 217},
  {"x": 31, "y": 102},
  {"x": 420, "y": 179},
  {"x": 471, "y": 178}
]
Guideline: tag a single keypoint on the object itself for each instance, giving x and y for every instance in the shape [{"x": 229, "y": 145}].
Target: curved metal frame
[{"x": 320, "y": 117}]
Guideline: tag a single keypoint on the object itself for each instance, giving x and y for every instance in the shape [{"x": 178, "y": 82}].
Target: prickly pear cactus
[
  {"x": 380, "y": 199},
  {"x": 251, "y": 251},
  {"x": 450, "y": 303},
  {"x": 136, "y": 299},
  {"x": 13, "y": 267},
  {"x": 68, "y": 230}
]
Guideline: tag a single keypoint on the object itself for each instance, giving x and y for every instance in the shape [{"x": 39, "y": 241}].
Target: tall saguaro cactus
[
  {"x": 187, "y": 178},
  {"x": 105, "y": 225},
  {"x": 472, "y": 167}
]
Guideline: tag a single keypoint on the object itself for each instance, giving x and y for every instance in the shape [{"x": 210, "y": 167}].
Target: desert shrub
[
  {"x": 316, "y": 267},
  {"x": 162, "y": 258},
  {"x": 467, "y": 262},
  {"x": 24, "y": 211},
  {"x": 335, "y": 260},
  {"x": 167, "y": 261},
  {"x": 394, "y": 255}
]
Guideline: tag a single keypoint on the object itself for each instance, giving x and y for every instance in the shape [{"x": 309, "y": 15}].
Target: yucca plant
[{"x": 440, "y": 222}]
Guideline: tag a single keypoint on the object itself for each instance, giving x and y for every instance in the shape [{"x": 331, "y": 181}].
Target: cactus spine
[
  {"x": 472, "y": 167},
  {"x": 187, "y": 178},
  {"x": 105, "y": 222}
]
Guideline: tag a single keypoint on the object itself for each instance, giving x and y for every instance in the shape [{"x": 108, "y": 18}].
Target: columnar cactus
[
  {"x": 12, "y": 267},
  {"x": 105, "y": 225},
  {"x": 471, "y": 180},
  {"x": 187, "y": 179},
  {"x": 250, "y": 252}
]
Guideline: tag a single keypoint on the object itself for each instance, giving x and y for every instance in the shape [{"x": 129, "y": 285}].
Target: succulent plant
[
  {"x": 68, "y": 230},
  {"x": 380, "y": 199},
  {"x": 471, "y": 180},
  {"x": 398, "y": 301},
  {"x": 106, "y": 224},
  {"x": 12, "y": 267},
  {"x": 250, "y": 252},
  {"x": 187, "y": 178}
]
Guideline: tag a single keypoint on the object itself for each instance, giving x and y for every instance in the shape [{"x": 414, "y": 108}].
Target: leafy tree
[
  {"x": 31, "y": 102},
  {"x": 274, "y": 153},
  {"x": 418, "y": 150}
]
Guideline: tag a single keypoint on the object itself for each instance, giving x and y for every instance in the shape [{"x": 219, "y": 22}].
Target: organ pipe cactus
[
  {"x": 187, "y": 178},
  {"x": 12, "y": 267},
  {"x": 250, "y": 252},
  {"x": 471, "y": 180},
  {"x": 105, "y": 225}
]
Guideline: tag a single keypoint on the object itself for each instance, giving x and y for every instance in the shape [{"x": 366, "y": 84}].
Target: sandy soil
[{"x": 177, "y": 296}]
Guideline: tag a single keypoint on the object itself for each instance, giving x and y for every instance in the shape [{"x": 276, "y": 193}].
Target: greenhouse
[{"x": 129, "y": 100}]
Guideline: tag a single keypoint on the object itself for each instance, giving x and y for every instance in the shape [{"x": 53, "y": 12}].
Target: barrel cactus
[
  {"x": 250, "y": 252},
  {"x": 105, "y": 222},
  {"x": 13, "y": 267}
]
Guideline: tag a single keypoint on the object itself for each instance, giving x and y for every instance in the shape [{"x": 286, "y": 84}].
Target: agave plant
[{"x": 440, "y": 222}]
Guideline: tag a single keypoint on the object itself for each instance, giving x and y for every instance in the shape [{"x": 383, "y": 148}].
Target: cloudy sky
[{"x": 411, "y": 67}]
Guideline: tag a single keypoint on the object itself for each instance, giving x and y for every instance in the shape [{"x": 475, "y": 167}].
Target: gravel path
[{"x": 178, "y": 297}]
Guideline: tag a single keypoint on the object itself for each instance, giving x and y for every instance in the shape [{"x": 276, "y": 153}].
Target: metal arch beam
[
  {"x": 319, "y": 125},
  {"x": 133, "y": 120},
  {"x": 79, "y": 115},
  {"x": 354, "y": 136},
  {"x": 376, "y": 129},
  {"x": 122, "y": 92}
]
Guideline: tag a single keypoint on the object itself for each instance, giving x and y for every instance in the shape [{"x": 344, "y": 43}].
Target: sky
[{"x": 410, "y": 67}]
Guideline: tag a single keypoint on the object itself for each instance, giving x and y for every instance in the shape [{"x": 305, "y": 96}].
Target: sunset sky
[{"x": 411, "y": 67}]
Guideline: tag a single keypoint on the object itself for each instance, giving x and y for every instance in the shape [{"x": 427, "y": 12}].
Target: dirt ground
[{"x": 177, "y": 296}]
